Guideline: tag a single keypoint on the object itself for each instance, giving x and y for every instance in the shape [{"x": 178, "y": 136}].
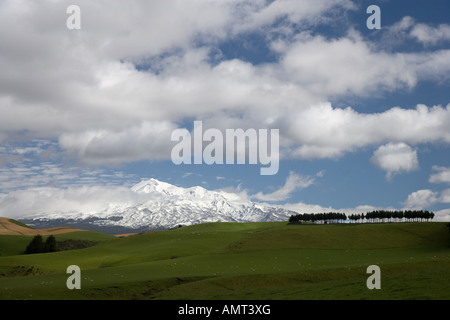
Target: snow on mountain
[{"x": 163, "y": 205}]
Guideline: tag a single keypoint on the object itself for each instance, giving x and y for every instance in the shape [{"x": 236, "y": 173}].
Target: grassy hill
[{"x": 240, "y": 261}]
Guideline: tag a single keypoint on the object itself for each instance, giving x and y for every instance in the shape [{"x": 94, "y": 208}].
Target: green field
[{"x": 239, "y": 261}]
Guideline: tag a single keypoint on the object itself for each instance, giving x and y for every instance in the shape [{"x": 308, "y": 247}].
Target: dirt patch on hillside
[{"x": 124, "y": 235}]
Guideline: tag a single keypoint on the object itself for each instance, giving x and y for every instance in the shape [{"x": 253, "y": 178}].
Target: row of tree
[
  {"x": 393, "y": 216},
  {"x": 37, "y": 245},
  {"x": 373, "y": 216},
  {"x": 330, "y": 217}
]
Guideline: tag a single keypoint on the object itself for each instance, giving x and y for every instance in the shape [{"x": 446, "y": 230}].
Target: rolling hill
[
  {"x": 261, "y": 260},
  {"x": 13, "y": 227}
]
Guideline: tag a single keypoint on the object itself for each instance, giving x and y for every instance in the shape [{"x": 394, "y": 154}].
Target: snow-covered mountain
[{"x": 162, "y": 205}]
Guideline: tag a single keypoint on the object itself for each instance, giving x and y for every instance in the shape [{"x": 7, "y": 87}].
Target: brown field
[
  {"x": 10, "y": 228},
  {"x": 124, "y": 235}
]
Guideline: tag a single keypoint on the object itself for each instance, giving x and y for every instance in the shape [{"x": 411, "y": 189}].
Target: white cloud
[
  {"x": 301, "y": 207},
  {"x": 404, "y": 24},
  {"x": 442, "y": 215},
  {"x": 23, "y": 176},
  {"x": 421, "y": 199},
  {"x": 112, "y": 92},
  {"x": 347, "y": 66},
  {"x": 322, "y": 131},
  {"x": 38, "y": 164},
  {"x": 82, "y": 199},
  {"x": 262, "y": 14},
  {"x": 408, "y": 28},
  {"x": 445, "y": 196},
  {"x": 429, "y": 35},
  {"x": 442, "y": 175},
  {"x": 293, "y": 182},
  {"x": 145, "y": 142},
  {"x": 395, "y": 158}
]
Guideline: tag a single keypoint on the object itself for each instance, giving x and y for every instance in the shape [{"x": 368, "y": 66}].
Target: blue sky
[{"x": 363, "y": 114}]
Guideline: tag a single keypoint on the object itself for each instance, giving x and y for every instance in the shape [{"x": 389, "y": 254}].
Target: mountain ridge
[{"x": 162, "y": 205}]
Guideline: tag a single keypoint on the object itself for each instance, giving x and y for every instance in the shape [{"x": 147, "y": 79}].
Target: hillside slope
[
  {"x": 12, "y": 227},
  {"x": 263, "y": 260}
]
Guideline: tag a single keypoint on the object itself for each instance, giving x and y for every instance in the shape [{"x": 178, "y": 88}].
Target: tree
[
  {"x": 36, "y": 245},
  {"x": 50, "y": 244}
]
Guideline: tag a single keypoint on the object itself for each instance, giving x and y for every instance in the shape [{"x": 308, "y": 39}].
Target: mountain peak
[
  {"x": 155, "y": 186},
  {"x": 164, "y": 205},
  {"x": 152, "y": 185}
]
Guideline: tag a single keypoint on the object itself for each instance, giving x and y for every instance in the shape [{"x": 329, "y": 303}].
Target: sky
[{"x": 89, "y": 100}]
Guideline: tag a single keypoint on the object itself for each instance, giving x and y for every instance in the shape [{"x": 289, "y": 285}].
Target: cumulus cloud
[
  {"x": 294, "y": 12},
  {"x": 421, "y": 199},
  {"x": 441, "y": 175},
  {"x": 120, "y": 76},
  {"x": 445, "y": 196},
  {"x": 322, "y": 131},
  {"x": 76, "y": 199},
  {"x": 301, "y": 207},
  {"x": 409, "y": 28},
  {"x": 425, "y": 198},
  {"x": 101, "y": 147},
  {"x": 429, "y": 35},
  {"x": 293, "y": 182},
  {"x": 442, "y": 215},
  {"x": 347, "y": 66},
  {"x": 394, "y": 158}
]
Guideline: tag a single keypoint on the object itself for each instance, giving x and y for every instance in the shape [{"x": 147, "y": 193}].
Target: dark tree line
[
  {"x": 330, "y": 217},
  {"x": 393, "y": 216},
  {"x": 371, "y": 217},
  {"x": 37, "y": 245}
]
